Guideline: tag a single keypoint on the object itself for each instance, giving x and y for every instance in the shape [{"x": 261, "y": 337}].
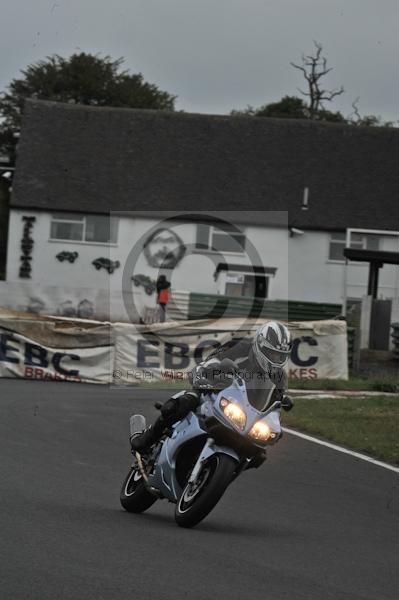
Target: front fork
[
  {"x": 207, "y": 451},
  {"x": 200, "y": 460}
]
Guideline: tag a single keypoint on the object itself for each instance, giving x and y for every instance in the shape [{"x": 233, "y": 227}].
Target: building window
[
  {"x": 98, "y": 229},
  {"x": 359, "y": 241},
  {"x": 214, "y": 239}
]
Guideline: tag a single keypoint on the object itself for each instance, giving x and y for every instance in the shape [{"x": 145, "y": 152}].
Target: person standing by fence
[{"x": 163, "y": 291}]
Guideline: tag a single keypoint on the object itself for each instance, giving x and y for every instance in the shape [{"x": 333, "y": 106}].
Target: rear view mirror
[{"x": 287, "y": 403}]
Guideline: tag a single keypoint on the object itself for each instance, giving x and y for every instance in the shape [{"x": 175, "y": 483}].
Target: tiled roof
[{"x": 80, "y": 158}]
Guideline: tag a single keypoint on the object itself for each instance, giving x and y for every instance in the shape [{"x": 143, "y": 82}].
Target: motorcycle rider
[{"x": 259, "y": 361}]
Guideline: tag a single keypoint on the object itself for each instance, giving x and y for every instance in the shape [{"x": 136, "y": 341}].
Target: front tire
[
  {"x": 195, "y": 504},
  {"x": 134, "y": 495}
]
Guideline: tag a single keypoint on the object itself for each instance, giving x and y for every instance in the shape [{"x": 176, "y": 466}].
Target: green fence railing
[
  {"x": 395, "y": 337},
  {"x": 208, "y": 306}
]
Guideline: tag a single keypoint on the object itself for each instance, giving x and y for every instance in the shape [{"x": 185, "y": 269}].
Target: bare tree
[{"x": 314, "y": 68}]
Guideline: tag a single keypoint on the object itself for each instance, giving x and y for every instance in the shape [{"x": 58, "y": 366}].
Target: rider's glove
[{"x": 199, "y": 379}]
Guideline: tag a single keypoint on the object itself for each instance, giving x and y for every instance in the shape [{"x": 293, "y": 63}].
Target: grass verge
[
  {"x": 366, "y": 385},
  {"x": 354, "y": 383},
  {"x": 368, "y": 425}
]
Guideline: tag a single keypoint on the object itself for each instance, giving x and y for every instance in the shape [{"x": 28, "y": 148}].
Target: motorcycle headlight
[
  {"x": 262, "y": 432},
  {"x": 234, "y": 413}
]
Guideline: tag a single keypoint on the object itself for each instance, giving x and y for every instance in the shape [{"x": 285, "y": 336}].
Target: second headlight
[
  {"x": 261, "y": 431},
  {"x": 234, "y": 413}
]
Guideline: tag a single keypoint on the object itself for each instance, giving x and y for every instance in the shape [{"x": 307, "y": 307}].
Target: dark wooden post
[{"x": 372, "y": 287}]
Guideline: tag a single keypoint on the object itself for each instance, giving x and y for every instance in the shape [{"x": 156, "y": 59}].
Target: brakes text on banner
[{"x": 33, "y": 349}]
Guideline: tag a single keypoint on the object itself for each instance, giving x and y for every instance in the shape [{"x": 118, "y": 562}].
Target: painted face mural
[{"x": 164, "y": 249}]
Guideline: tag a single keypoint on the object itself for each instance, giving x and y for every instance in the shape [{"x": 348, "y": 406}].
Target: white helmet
[{"x": 272, "y": 345}]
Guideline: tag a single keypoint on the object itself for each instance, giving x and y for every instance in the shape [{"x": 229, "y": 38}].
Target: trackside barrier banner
[
  {"x": 61, "y": 350},
  {"x": 170, "y": 351},
  {"x": 51, "y": 348}
]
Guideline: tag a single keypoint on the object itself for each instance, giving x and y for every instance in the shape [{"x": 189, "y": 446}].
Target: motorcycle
[{"x": 196, "y": 460}]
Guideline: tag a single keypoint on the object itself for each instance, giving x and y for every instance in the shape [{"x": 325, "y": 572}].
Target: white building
[{"x": 290, "y": 188}]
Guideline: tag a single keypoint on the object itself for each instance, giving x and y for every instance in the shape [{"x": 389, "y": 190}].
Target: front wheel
[
  {"x": 134, "y": 495},
  {"x": 197, "y": 500}
]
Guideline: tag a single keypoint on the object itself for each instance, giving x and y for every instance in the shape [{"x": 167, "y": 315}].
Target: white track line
[{"x": 309, "y": 438}]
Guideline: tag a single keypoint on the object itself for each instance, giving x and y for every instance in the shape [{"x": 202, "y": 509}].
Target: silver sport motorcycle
[{"x": 195, "y": 460}]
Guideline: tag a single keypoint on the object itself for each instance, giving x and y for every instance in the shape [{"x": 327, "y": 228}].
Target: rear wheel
[
  {"x": 134, "y": 495},
  {"x": 197, "y": 500}
]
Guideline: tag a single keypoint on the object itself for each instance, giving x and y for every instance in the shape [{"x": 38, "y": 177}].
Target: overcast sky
[{"x": 216, "y": 55}]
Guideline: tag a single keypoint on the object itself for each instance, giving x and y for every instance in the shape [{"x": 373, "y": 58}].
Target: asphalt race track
[{"x": 310, "y": 524}]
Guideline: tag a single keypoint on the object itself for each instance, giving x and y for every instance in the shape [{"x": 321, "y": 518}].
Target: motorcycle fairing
[{"x": 164, "y": 478}]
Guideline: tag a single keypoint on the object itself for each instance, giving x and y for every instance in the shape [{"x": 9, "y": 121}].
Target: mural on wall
[
  {"x": 26, "y": 247},
  {"x": 66, "y": 255},
  {"x": 164, "y": 249},
  {"x": 35, "y": 305},
  {"x": 107, "y": 264},
  {"x": 84, "y": 309},
  {"x": 66, "y": 309},
  {"x": 148, "y": 283}
]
